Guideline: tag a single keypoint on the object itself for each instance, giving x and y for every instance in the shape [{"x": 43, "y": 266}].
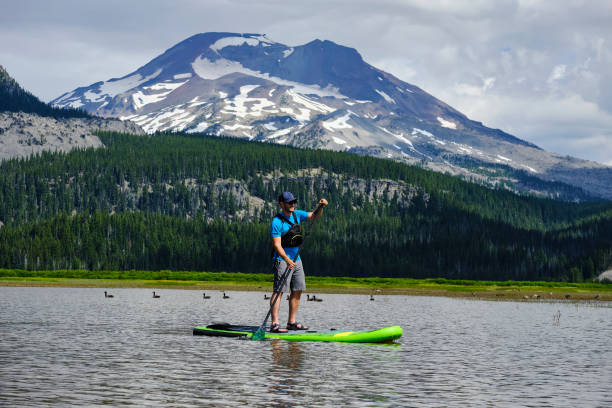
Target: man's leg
[
  {"x": 276, "y": 306},
  {"x": 294, "y": 305},
  {"x": 298, "y": 284},
  {"x": 280, "y": 267}
]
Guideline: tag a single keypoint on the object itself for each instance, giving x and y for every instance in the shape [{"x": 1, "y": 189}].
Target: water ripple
[{"x": 64, "y": 346}]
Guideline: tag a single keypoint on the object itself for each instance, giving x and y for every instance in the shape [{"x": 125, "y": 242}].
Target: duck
[
  {"x": 204, "y": 296},
  {"x": 308, "y": 298},
  {"x": 371, "y": 297},
  {"x": 225, "y": 296},
  {"x": 155, "y": 296},
  {"x": 316, "y": 299},
  {"x": 108, "y": 295},
  {"x": 266, "y": 296}
]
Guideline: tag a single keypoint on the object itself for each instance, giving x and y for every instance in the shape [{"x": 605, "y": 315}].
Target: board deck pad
[{"x": 384, "y": 335}]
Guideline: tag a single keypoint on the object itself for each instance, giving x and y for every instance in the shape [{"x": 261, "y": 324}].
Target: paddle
[{"x": 260, "y": 334}]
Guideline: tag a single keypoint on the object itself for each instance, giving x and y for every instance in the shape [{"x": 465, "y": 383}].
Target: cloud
[
  {"x": 557, "y": 73},
  {"x": 567, "y": 126},
  {"x": 469, "y": 90}
]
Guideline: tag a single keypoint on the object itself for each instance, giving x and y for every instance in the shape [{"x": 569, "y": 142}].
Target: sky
[{"x": 539, "y": 70}]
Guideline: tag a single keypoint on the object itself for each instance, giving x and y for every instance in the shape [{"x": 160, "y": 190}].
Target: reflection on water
[
  {"x": 287, "y": 354},
  {"x": 62, "y": 347},
  {"x": 287, "y": 357}
]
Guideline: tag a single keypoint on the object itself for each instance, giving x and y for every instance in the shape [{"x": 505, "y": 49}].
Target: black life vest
[{"x": 293, "y": 237}]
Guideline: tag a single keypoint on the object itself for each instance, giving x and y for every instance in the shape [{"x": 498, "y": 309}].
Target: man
[{"x": 283, "y": 258}]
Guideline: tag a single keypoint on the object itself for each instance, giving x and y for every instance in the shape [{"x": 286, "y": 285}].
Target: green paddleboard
[{"x": 384, "y": 335}]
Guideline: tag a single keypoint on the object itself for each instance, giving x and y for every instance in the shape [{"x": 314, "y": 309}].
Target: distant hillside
[
  {"x": 205, "y": 203},
  {"x": 13, "y": 98},
  {"x": 29, "y": 126}
]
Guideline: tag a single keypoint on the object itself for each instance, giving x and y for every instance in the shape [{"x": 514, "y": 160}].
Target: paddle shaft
[{"x": 277, "y": 295}]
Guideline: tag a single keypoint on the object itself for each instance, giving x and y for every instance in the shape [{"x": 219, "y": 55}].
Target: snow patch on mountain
[
  {"x": 141, "y": 99},
  {"x": 171, "y": 118},
  {"x": 398, "y": 136},
  {"x": 279, "y": 133},
  {"x": 302, "y": 115},
  {"x": 194, "y": 104},
  {"x": 64, "y": 97},
  {"x": 94, "y": 96},
  {"x": 339, "y": 141},
  {"x": 417, "y": 131},
  {"x": 76, "y": 104},
  {"x": 309, "y": 103},
  {"x": 385, "y": 96},
  {"x": 270, "y": 126},
  {"x": 237, "y": 41},
  {"x": 242, "y": 105},
  {"x": 421, "y": 131},
  {"x": 212, "y": 70},
  {"x": 200, "y": 128},
  {"x": 531, "y": 169},
  {"x": 447, "y": 123},
  {"x": 338, "y": 123},
  {"x": 118, "y": 86},
  {"x": 236, "y": 126}
]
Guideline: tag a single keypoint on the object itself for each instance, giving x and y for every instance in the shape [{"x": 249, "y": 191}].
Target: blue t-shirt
[{"x": 280, "y": 226}]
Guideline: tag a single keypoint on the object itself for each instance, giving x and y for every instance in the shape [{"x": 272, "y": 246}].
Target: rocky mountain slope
[
  {"x": 323, "y": 95},
  {"x": 29, "y": 126},
  {"x": 23, "y": 134}
]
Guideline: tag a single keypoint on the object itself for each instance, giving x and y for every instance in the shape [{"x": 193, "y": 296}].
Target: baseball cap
[{"x": 286, "y": 197}]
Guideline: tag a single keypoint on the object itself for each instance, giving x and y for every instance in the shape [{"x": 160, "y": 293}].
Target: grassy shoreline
[{"x": 509, "y": 290}]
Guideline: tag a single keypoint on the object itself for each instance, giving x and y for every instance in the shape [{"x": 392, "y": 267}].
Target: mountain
[
  {"x": 324, "y": 95},
  {"x": 28, "y": 125}
]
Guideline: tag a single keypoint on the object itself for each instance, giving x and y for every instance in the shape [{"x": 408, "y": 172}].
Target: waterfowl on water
[
  {"x": 155, "y": 296},
  {"x": 316, "y": 299},
  {"x": 266, "y": 296},
  {"x": 204, "y": 296},
  {"x": 225, "y": 296},
  {"x": 371, "y": 297},
  {"x": 108, "y": 295},
  {"x": 308, "y": 298}
]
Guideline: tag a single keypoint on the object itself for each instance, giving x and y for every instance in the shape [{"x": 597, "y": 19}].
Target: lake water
[{"x": 72, "y": 346}]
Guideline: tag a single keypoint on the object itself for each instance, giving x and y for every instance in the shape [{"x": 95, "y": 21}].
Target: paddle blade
[{"x": 260, "y": 334}]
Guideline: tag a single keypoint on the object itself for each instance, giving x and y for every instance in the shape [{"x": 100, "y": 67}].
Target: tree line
[
  {"x": 363, "y": 243},
  {"x": 108, "y": 209}
]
